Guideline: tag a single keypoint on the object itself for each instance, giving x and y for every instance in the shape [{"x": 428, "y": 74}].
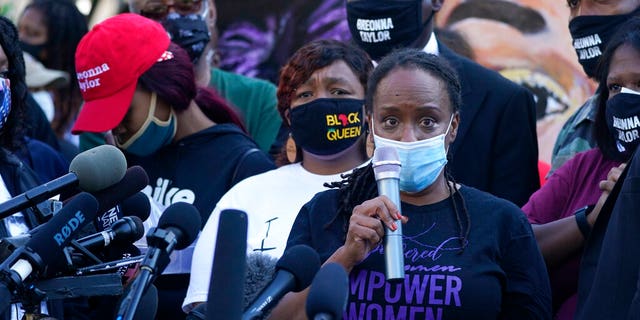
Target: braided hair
[{"x": 360, "y": 185}]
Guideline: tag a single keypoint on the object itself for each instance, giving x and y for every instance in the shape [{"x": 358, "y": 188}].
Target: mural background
[{"x": 526, "y": 40}]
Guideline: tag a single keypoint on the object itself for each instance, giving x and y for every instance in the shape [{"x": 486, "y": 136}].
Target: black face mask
[
  {"x": 327, "y": 126},
  {"x": 623, "y": 120},
  {"x": 378, "y": 27},
  {"x": 35, "y": 50},
  {"x": 189, "y": 32},
  {"x": 591, "y": 34}
]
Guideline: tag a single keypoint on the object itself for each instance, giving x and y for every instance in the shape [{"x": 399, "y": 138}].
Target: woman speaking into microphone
[{"x": 467, "y": 254}]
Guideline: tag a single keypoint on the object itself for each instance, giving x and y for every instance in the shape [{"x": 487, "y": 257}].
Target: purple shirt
[{"x": 571, "y": 187}]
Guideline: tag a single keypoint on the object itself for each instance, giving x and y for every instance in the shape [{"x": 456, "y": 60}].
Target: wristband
[{"x": 581, "y": 220}]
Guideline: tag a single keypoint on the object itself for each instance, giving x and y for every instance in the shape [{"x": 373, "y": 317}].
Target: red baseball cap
[{"x": 109, "y": 60}]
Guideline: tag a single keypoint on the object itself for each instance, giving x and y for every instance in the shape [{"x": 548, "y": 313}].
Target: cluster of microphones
[{"x": 84, "y": 247}]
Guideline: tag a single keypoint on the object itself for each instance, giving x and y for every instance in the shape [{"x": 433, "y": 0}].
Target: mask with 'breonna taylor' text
[
  {"x": 378, "y": 27},
  {"x": 623, "y": 119}
]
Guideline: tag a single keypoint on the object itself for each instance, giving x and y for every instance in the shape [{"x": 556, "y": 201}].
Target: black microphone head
[
  {"x": 386, "y": 163},
  {"x": 134, "y": 180},
  {"x": 148, "y": 305},
  {"x": 301, "y": 261},
  {"x": 137, "y": 205},
  {"x": 183, "y": 217},
  {"x": 128, "y": 229},
  {"x": 56, "y": 234},
  {"x": 99, "y": 167},
  {"x": 329, "y": 292}
]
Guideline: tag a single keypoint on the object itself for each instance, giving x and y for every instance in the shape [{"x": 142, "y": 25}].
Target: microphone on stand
[
  {"x": 177, "y": 228},
  {"x": 124, "y": 230},
  {"x": 45, "y": 248},
  {"x": 135, "y": 205},
  {"x": 228, "y": 269},
  {"x": 328, "y": 294},
  {"x": 91, "y": 170},
  {"x": 386, "y": 168},
  {"x": 294, "y": 272}
]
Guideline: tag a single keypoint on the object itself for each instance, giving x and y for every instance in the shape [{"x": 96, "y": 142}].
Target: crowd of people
[{"x": 482, "y": 239}]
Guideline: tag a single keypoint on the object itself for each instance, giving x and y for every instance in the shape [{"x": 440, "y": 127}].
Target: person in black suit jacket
[{"x": 497, "y": 146}]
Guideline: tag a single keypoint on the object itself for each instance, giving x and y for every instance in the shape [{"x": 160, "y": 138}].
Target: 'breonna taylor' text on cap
[{"x": 109, "y": 60}]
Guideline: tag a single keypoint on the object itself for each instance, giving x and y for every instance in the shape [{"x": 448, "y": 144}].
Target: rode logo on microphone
[{"x": 68, "y": 228}]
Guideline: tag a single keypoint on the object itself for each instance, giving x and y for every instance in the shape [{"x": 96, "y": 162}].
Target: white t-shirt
[{"x": 272, "y": 201}]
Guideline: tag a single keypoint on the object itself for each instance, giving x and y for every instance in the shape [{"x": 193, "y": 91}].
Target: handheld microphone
[
  {"x": 294, "y": 272},
  {"x": 177, "y": 228},
  {"x": 229, "y": 265},
  {"x": 125, "y": 230},
  {"x": 91, "y": 170},
  {"x": 386, "y": 168},
  {"x": 328, "y": 294},
  {"x": 45, "y": 248}
]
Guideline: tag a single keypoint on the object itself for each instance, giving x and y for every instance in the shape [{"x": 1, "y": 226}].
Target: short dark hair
[
  {"x": 415, "y": 59},
  {"x": 627, "y": 34},
  {"x": 12, "y": 132}
]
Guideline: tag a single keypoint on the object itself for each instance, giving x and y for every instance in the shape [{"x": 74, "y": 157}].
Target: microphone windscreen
[
  {"x": 260, "y": 270},
  {"x": 136, "y": 205},
  {"x": 385, "y": 161},
  {"x": 134, "y": 180},
  {"x": 99, "y": 167},
  {"x": 301, "y": 261},
  {"x": 148, "y": 305},
  {"x": 184, "y": 217},
  {"x": 229, "y": 265},
  {"x": 56, "y": 234},
  {"x": 329, "y": 292},
  {"x": 131, "y": 232}
]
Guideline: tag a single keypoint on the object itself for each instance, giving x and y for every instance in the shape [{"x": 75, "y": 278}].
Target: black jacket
[{"x": 496, "y": 149}]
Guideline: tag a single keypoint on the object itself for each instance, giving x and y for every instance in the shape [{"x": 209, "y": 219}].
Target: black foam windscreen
[
  {"x": 54, "y": 235},
  {"x": 260, "y": 270},
  {"x": 328, "y": 293},
  {"x": 183, "y": 217},
  {"x": 229, "y": 264},
  {"x": 136, "y": 205},
  {"x": 134, "y": 180},
  {"x": 99, "y": 167},
  {"x": 303, "y": 262}
]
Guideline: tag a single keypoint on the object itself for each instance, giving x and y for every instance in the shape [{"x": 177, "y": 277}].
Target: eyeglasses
[{"x": 158, "y": 10}]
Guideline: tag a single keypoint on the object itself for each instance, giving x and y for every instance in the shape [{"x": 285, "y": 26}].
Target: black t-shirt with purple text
[{"x": 500, "y": 274}]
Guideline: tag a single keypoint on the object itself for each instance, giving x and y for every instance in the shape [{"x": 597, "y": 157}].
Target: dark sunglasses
[{"x": 159, "y": 10}]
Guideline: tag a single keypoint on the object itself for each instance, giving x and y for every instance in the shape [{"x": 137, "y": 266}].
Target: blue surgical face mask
[
  {"x": 153, "y": 135},
  {"x": 422, "y": 161}
]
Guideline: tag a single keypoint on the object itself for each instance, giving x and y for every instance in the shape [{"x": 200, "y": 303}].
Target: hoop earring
[
  {"x": 291, "y": 149},
  {"x": 370, "y": 147}
]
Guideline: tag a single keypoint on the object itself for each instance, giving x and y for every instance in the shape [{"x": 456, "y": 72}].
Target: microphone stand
[{"x": 161, "y": 244}]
